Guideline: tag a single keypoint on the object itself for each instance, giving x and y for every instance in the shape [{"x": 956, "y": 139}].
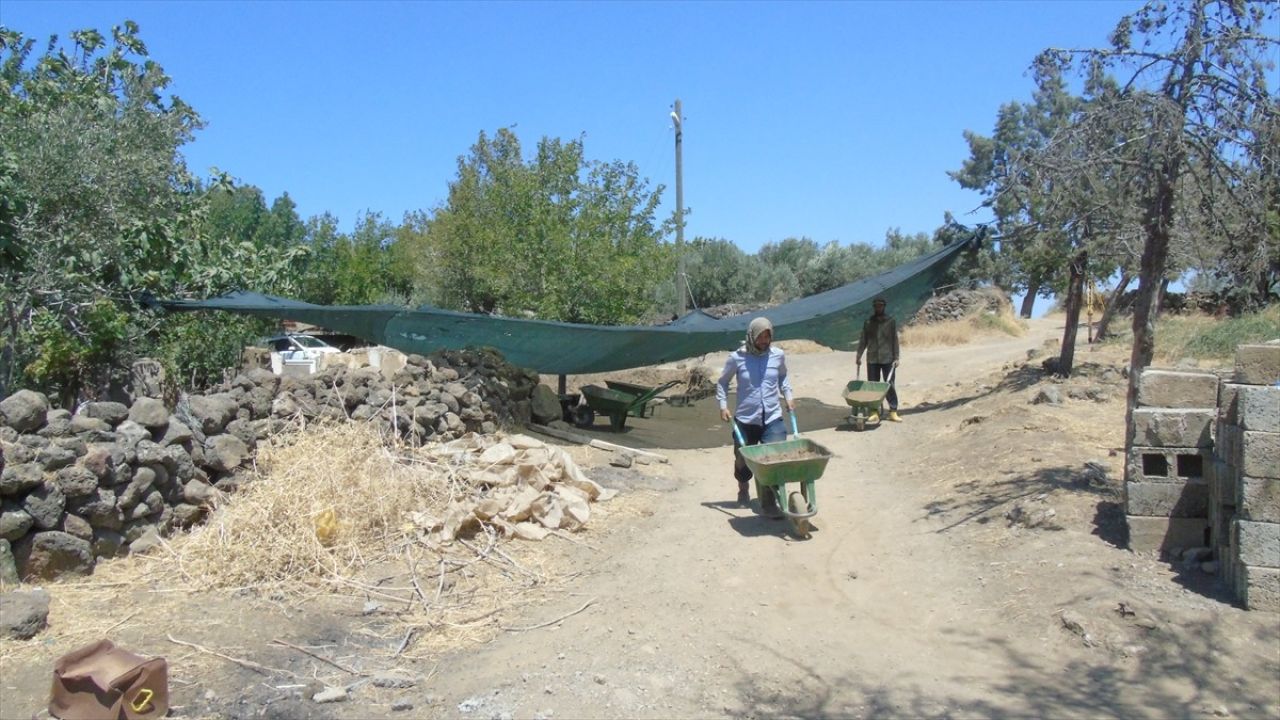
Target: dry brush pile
[{"x": 112, "y": 479}]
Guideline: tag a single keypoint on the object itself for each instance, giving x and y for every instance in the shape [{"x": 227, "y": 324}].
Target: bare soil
[{"x": 967, "y": 562}]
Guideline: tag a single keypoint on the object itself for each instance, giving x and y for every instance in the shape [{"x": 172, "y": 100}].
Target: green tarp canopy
[{"x": 833, "y": 318}]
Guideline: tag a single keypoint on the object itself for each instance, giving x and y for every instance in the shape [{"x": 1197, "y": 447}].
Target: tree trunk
[
  {"x": 1075, "y": 300},
  {"x": 1113, "y": 304},
  {"x": 1155, "y": 257},
  {"x": 1028, "y": 302}
]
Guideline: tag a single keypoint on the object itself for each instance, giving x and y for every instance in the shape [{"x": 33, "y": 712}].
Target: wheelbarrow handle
[
  {"x": 737, "y": 433},
  {"x": 795, "y": 430}
]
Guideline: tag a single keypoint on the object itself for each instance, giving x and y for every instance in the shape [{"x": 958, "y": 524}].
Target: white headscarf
[{"x": 757, "y": 327}]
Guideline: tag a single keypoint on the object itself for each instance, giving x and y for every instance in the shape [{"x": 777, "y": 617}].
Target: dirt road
[
  {"x": 913, "y": 598},
  {"x": 968, "y": 562}
]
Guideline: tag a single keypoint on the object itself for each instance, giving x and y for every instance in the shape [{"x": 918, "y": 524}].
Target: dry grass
[
  {"x": 339, "y": 483},
  {"x": 961, "y": 332},
  {"x": 266, "y": 546}
]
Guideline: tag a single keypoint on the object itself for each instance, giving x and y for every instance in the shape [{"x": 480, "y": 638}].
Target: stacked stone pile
[
  {"x": 1245, "y": 478},
  {"x": 110, "y": 478},
  {"x": 959, "y": 304}
]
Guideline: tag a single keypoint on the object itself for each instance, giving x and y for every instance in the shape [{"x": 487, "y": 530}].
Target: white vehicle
[{"x": 296, "y": 354}]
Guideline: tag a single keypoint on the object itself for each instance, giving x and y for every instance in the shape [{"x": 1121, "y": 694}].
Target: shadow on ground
[
  {"x": 1178, "y": 674},
  {"x": 698, "y": 426}
]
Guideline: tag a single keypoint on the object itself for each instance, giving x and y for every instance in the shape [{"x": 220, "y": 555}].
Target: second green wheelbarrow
[
  {"x": 866, "y": 399},
  {"x": 617, "y": 404},
  {"x": 774, "y": 465}
]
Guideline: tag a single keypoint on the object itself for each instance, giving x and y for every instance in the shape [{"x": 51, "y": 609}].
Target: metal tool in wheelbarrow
[
  {"x": 866, "y": 398},
  {"x": 799, "y": 460}
]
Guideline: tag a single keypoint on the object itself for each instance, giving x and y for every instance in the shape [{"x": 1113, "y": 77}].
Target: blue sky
[{"x": 832, "y": 121}]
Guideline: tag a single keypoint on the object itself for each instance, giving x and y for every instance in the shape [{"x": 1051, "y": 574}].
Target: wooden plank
[
  {"x": 574, "y": 437},
  {"x": 621, "y": 448}
]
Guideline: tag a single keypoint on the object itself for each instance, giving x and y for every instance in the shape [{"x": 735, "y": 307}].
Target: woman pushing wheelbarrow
[{"x": 761, "y": 373}]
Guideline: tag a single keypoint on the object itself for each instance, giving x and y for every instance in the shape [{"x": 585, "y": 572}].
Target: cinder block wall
[
  {"x": 1203, "y": 469},
  {"x": 1170, "y": 453},
  {"x": 1245, "y": 478}
]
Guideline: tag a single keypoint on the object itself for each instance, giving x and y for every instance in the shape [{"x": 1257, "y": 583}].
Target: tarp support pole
[{"x": 560, "y": 385}]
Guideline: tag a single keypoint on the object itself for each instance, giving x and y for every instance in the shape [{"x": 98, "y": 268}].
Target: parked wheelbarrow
[
  {"x": 617, "y": 404},
  {"x": 641, "y": 391},
  {"x": 774, "y": 465},
  {"x": 866, "y": 400}
]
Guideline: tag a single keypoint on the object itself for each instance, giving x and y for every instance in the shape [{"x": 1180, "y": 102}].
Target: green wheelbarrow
[
  {"x": 866, "y": 399},
  {"x": 617, "y": 404},
  {"x": 643, "y": 393},
  {"x": 774, "y": 465}
]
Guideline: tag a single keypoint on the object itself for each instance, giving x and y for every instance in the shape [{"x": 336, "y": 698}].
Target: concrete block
[
  {"x": 1258, "y": 499},
  {"x": 1177, "y": 389},
  {"x": 1261, "y": 588},
  {"x": 1258, "y": 364},
  {"x": 1260, "y": 454},
  {"x": 1258, "y": 408},
  {"x": 1228, "y": 397},
  {"x": 1165, "y": 533},
  {"x": 1181, "y": 500},
  {"x": 1227, "y": 442},
  {"x": 1167, "y": 465},
  {"x": 1158, "y": 427},
  {"x": 1258, "y": 543}
]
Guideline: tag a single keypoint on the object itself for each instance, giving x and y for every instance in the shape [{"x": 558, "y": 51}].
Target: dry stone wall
[
  {"x": 1202, "y": 475},
  {"x": 110, "y": 479}
]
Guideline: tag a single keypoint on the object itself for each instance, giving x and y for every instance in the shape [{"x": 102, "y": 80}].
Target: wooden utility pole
[{"x": 678, "y": 117}]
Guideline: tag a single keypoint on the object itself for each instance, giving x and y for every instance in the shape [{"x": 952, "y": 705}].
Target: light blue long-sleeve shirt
[{"x": 759, "y": 379}]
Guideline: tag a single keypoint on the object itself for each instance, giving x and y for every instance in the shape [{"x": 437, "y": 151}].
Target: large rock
[
  {"x": 545, "y": 405},
  {"x": 47, "y": 555},
  {"x": 23, "y": 613},
  {"x": 112, "y": 413},
  {"x": 8, "y": 566},
  {"x": 24, "y": 411},
  {"x": 19, "y": 478},
  {"x": 45, "y": 505},
  {"x": 222, "y": 453},
  {"x": 57, "y": 423},
  {"x": 76, "y": 481},
  {"x": 150, "y": 413},
  {"x": 14, "y": 522},
  {"x": 212, "y": 412}
]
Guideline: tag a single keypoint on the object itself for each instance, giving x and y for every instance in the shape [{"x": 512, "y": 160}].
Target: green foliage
[
  {"x": 97, "y": 207},
  {"x": 358, "y": 269},
  {"x": 558, "y": 237},
  {"x": 197, "y": 348},
  {"x": 63, "y": 357}
]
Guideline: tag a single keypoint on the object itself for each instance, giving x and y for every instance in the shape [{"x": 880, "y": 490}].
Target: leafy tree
[
  {"x": 1193, "y": 96},
  {"x": 558, "y": 237},
  {"x": 356, "y": 269},
  {"x": 97, "y": 208},
  {"x": 719, "y": 272}
]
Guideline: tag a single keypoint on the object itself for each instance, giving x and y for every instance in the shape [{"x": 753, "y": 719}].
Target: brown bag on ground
[{"x": 104, "y": 682}]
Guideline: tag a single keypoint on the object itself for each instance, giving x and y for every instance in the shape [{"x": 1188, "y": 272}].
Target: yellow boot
[
  {"x": 873, "y": 418},
  {"x": 893, "y": 416}
]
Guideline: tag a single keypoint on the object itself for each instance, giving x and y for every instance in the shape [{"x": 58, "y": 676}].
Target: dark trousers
[
  {"x": 879, "y": 372},
  {"x": 754, "y": 435}
]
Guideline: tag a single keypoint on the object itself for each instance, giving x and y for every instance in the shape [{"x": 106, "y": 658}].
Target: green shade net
[{"x": 833, "y": 318}]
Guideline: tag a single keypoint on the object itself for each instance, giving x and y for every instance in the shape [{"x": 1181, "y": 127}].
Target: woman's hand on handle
[{"x": 724, "y": 414}]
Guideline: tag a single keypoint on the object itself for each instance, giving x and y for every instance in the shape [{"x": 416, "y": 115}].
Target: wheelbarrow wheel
[
  {"x": 860, "y": 423},
  {"x": 797, "y": 504},
  {"x": 584, "y": 417}
]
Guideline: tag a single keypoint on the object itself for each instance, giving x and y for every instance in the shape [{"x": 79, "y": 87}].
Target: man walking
[{"x": 880, "y": 343}]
